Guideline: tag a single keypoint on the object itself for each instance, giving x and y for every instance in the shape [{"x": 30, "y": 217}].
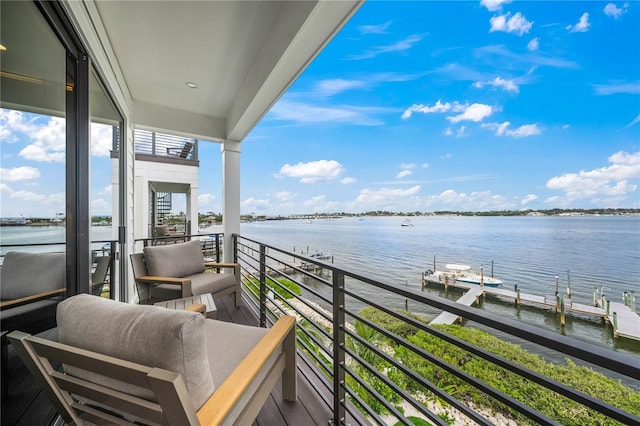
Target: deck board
[{"x": 27, "y": 405}]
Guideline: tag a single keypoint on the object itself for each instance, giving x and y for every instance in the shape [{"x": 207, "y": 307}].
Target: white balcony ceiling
[{"x": 242, "y": 55}]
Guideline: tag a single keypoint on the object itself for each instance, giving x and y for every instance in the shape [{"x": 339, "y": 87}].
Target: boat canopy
[{"x": 457, "y": 267}]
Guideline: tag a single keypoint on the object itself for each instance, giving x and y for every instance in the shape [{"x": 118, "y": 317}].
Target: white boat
[{"x": 463, "y": 274}]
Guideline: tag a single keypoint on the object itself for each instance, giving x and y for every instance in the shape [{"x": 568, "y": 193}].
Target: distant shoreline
[{"x": 106, "y": 221}]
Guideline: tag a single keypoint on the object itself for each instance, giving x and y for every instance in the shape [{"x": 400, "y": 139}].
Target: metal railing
[
  {"x": 371, "y": 366},
  {"x": 152, "y": 144},
  {"x": 211, "y": 244}
]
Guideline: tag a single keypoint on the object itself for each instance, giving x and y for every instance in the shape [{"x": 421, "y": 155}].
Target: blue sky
[{"x": 426, "y": 106}]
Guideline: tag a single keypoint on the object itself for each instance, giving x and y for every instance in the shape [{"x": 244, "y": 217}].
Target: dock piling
[
  {"x": 608, "y": 307},
  {"x": 568, "y": 284},
  {"x": 615, "y": 324},
  {"x": 595, "y": 296},
  {"x": 633, "y": 301},
  {"x": 562, "y": 316}
]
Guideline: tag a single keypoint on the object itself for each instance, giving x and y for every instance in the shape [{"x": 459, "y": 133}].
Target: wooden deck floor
[{"x": 27, "y": 405}]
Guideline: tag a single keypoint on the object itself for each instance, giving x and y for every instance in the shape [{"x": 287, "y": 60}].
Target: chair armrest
[
  {"x": 33, "y": 298},
  {"x": 152, "y": 279},
  {"x": 163, "y": 280},
  {"x": 218, "y": 406},
  {"x": 197, "y": 307},
  {"x": 220, "y": 265}
]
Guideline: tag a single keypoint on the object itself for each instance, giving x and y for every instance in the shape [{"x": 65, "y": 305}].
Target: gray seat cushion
[
  {"x": 227, "y": 345},
  {"x": 175, "y": 260},
  {"x": 210, "y": 282},
  {"x": 25, "y": 274},
  {"x": 148, "y": 335}
]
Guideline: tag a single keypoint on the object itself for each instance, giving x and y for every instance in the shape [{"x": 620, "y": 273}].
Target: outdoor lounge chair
[
  {"x": 31, "y": 286},
  {"x": 182, "y": 152},
  {"x": 127, "y": 363},
  {"x": 99, "y": 275},
  {"x": 179, "y": 270}
]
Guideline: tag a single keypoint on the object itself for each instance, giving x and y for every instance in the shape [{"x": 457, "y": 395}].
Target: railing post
[
  {"x": 235, "y": 253},
  {"x": 339, "y": 392},
  {"x": 263, "y": 286}
]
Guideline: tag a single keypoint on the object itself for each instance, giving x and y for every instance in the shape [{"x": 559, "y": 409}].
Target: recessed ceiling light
[{"x": 191, "y": 84}]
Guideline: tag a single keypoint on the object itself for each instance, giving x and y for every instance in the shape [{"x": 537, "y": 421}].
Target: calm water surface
[{"x": 590, "y": 251}]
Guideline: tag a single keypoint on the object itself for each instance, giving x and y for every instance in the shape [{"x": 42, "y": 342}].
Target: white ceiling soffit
[{"x": 242, "y": 55}]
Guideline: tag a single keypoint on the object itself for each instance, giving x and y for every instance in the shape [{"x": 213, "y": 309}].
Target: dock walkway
[
  {"x": 627, "y": 323},
  {"x": 468, "y": 299}
]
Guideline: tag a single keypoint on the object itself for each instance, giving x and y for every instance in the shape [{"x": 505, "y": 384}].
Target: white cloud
[
  {"x": 609, "y": 181},
  {"x": 516, "y": 24},
  {"x": 207, "y": 203},
  {"x": 27, "y": 196},
  {"x": 254, "y": 204},
  {"x": 502, "y": 129},
  {"x": 476, "y": 201},
  {"x": 499, "y": 83},
  {"x": 632, "y": 88},
  {"x": 582, "y": 26},
  {"x": 399, "y": 46},
  {"x": 404, "y": 173},
  {"x": 493, "y": 5},
  {"x": 337, "y": 85},
  {"x": 385, "y": 196},
  {"x": 46, "y": 135},
  {"x": 307, "y": 114},
  {"x": 408, "y": 166},
  {"x": 101, "y": 207},
  {"x": 284, "y": 195},
  {"x": 529, "y": 198},
  {"x": 533, "y": 44},
  {"x": 101, "y": 139},
  {"x": 318, "y": 204},
  {"x": 474, "y": 112},
  {"x": 19, "y": 173},
  {"x": 462, "y": 132},
  {"x": 374, "y": 29},
  {"x": 348, "y": 180},
  {"x": 438, "y": 107},
  {"x": 425, "y": 165},
  {"x": 614, "y": 11},
  {"x": 313, "y": 171},
  {"x": 633, "y": 122}
]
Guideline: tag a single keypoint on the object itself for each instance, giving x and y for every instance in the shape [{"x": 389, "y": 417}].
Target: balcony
[
  {"x": 356, "y": 368},
  {"x": 161, "y": 148}
]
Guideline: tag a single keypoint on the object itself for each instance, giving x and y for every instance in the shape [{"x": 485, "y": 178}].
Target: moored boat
[{"x": 463, "y": 274}]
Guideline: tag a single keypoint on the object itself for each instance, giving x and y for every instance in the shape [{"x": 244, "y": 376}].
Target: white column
[
  {"x": 230, "y": 194},
  {"x": 192, "y": 210}
]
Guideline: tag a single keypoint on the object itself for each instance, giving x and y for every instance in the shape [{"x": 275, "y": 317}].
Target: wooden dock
[
  {"x": 468, "y": 299},
  {"x": 625, "y": 322}
]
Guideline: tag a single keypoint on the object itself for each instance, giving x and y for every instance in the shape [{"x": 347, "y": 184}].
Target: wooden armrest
[
  {"x": 197, "y": 307},
  {"x": 220, "y": 265},
  {"x": 32, "y": 298},
  {"x": 214, "y": 411},
  {"x": 164, "y": 280}
]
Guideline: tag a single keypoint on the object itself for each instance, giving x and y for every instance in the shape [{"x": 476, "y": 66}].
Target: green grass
[{"x": 543, "y": 400}]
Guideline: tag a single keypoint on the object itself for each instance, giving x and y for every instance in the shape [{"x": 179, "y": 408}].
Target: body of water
[{"x": 591, "y": 251}]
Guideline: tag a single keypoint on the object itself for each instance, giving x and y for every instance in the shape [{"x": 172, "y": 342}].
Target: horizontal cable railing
[
  {"x": 377, "y": 362},
  {"x": 164, "y": 145},
  {"x": 211, "y": 244}
]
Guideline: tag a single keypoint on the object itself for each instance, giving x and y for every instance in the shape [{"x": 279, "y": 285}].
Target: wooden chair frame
[
  {"x": 78, "y": 400},
  {"x": 138, "y": 263}
]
